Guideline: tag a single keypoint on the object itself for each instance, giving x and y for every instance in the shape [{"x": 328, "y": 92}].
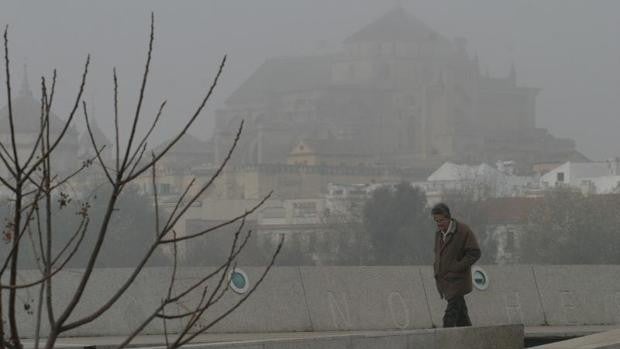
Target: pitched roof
[
  {"x": 453, "y": 172},
  {"x": 284, "y": 74},
  {"x": 27, "y": 116},
  {"x": 396, "y": 25},
  {"x": 100, "y": 138}
]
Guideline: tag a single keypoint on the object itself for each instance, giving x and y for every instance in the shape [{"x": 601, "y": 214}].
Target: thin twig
[
  {"x": 117, "y": 137},
  {"x": 180, "y": 200},
  {"x": 172, "y": 220},
  {"x": 82, "y": 230},
  {"x": 7, "y": 72},
  {"x": 241, "y": 301},
  {"x": 62, "y": 133},
  {"x": 187, "y": 125},
  {"x": 145, "y": 75},
  {"x": 43, "y": 122},
  {"x": 94, "y": 144},
  {"x": 4, "y": 159},
  {"x": 156, "y": 204},
  {"x": 148, "y": 133},
  {"x": 218, "y": 226},
  {"x": 196, "y": 316}
]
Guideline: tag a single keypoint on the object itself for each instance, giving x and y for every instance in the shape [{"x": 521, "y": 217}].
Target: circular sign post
[
  {"x": 238, "y": 281},
  {"x": 480, "y": 278}
]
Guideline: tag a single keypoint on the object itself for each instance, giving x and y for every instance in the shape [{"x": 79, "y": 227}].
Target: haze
[{"x": 569, "y": 49}]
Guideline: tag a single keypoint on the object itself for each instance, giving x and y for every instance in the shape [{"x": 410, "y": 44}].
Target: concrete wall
[
  {"x": 347, "y": 298},
  {"x": 505, "y": 337}
]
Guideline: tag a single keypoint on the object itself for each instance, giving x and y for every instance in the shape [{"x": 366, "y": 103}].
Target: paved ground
[
  {"x": 154, "y": 340},
  {"x": 605, "y": 340}
]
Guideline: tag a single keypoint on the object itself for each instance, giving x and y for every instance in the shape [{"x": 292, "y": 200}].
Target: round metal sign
[
  {"x": 480, "y": 278},
  {"x": 238, "y": 281}
]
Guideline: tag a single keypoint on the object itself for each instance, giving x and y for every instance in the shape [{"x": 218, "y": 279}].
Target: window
[
  {"x": 164, "y": 188},
  {"x": 560, "y": 177},
  {"x": 510, "y": 240},
  {"x": 273, "y": 212},
  {"x": 304, "y": 209}
]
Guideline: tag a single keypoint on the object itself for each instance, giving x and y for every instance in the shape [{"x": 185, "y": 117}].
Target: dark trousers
[{"x": 456, "y": 313}]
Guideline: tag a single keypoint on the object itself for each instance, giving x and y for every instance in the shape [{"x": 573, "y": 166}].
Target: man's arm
[{"x": 471, "y": 252}]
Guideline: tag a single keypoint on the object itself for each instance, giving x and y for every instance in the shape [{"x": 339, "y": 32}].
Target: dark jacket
[{"x": 453, "y": 262}]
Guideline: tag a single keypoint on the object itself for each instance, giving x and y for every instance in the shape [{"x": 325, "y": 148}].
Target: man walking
[{"x": 456, "y": 250}]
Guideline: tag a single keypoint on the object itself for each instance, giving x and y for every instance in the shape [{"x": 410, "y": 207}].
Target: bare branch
[
  {"x": 40, "y": 235},
  {"x": 7, "y": 184},
  {"x": 67, "y": 178},
  {"x": 38, "y": 258},
  {"x": 172, "y": 220},
  {"x": 166, "y": 333},
  {"x": 218, "y": 226},
  {"x": 4, "y": 159},
  {"x": 179, "y": 201},
  {"x": 197, "y": 313},
  {"x": 53, "y": 146},
  {"x": 156, "y": 203},
  {"x": 231, "y": 257},
  {"x": 241, "y": 301},
  {"x": 141, "y": 152},
  {"x": 43, "y": 122},
  {"x": 203, "y": 296},
  {"x": 174, "y": 267},
  {"x": 116, "y": 137},
  {"x": 91, "y": 261},
  {"x": 187, "y": 125},
  {"x": 82, "y": 230},
  {"x": 52, "y": 91},
  {"x": 148, "y": 134},
  {"x": 169, "y": 299},
  {"x": 7, "y": 71},
  {"x": 94, "y": 144},
  {"x": 18, "y": 234},
  {"x": 213, "y": 298},
  {"x": 141, "y": 97}
]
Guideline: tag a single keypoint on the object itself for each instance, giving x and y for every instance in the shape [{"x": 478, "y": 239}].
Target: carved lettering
[
  {"x": 568, "y": 301},
  {"x": 615, "y": 311},
  {"x": 397, "y": 304},
  {"x": 340, "y": 314},
  {"x": 512, "y": 303}
]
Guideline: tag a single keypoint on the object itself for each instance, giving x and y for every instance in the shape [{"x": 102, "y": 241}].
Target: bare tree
[{"x": 34, "y": 185}]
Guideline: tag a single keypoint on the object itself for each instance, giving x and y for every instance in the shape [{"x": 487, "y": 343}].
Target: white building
[
  {"x": 482, "y": 179},
  {"x": 601, "y": 177}
]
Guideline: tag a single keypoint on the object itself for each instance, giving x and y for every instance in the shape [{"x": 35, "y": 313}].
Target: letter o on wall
[{"x": 397, "y": 304}]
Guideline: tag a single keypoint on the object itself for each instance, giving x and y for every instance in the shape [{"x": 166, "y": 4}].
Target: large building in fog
[
  {"x": 27, "y": 125},
  {"x": 398, "y": 92}
]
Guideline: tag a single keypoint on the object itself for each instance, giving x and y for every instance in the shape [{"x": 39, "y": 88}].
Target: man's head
[{"x": 441, "y": 216}]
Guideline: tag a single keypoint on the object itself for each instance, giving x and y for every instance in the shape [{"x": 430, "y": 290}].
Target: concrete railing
[
  {"x": 352, "y": 298},
  {"x": 505, "y": 337}
]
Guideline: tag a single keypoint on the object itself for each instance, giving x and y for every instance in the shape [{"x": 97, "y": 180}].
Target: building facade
[{"x": 399, "y": 92}]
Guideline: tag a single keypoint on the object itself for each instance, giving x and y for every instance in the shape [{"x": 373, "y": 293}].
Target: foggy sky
[{"x": 569, "y": 48}]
